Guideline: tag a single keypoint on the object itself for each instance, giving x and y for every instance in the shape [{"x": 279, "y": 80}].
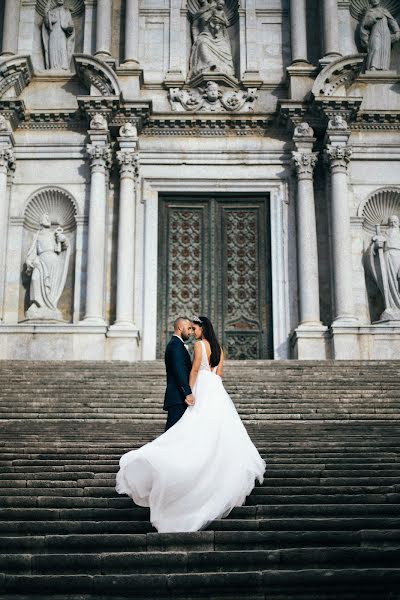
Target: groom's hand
[{"x": 190, "y": 400}]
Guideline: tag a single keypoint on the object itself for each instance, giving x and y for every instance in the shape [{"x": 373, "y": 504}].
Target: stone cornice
[{"x": 208, "y": 125}]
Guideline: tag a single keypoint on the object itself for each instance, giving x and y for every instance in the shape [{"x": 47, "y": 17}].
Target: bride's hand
[{"x": 190, "y": 400}]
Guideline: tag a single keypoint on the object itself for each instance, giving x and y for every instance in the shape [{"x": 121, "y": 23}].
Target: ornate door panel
[{"x": 214, "y": 260}]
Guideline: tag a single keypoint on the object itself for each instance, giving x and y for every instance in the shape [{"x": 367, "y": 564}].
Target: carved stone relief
[{"x": 211, "y": 97}]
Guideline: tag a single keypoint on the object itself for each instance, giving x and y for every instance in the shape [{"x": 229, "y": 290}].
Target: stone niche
[
  {"x": 60, "y": 208},
  {"x": 77, "y": 8}
]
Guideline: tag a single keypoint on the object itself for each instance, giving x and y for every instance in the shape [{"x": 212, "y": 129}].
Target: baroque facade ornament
[
  {"x": 99, "y": 122},
  {"x": 58, "y": 35},
  {"x": 128, "y": 130},
  {"x": 57, "y": 204},
  {"x": 379, "y": 207},
  {"x": 211, "y": 98},
  {"x": 303, "y": 130},
  {"x": 338, "y": 123}
]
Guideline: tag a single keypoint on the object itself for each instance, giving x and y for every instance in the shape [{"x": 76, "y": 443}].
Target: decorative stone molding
[
  {"x": 96, "y": 76},
  {"x": 15, "y": 72},
  {"x": 337, "y": 77},
  {"x": 57, "y": 203},
  {"x": 75, "y": 6},
  {"x": 99, "y": 122},
  {"x": 204, "y": 126},
  {"x": 304, "y": 163},
  {"x": 211, "y": 97},
  {"x": 379, "y": 207}
]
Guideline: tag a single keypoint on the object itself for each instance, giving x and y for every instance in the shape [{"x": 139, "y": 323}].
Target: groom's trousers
[{"x": 174, "y": 414}]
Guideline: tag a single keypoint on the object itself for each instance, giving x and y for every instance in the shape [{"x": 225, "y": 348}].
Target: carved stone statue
[
  {"x": 384, "y": 263},
  {"x": 378, "y": 30},
  {"x": 47, "y": 265},
  {"x": 211, "y": 50},
  {"x": 58, "y": 34}
]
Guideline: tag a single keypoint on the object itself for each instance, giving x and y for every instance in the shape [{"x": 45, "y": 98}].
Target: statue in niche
[
  {"x": 58, "y": 35},
  {"x": 211, "y": 50},
  {"x": 378, "y": 31},
  {"x": 47, "y": 266},
  {"x": 384, "y": 264}
]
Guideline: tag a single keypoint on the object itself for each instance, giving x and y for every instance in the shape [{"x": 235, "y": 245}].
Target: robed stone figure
[
  {"x": 58, "y": 34},
  {"x": 378, "y": 31}
]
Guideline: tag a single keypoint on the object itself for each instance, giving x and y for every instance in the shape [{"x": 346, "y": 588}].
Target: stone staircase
[{"x": 325, "y": 524}]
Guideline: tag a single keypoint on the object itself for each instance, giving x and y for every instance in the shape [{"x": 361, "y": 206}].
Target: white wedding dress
[{"x": 199, "y": 469}]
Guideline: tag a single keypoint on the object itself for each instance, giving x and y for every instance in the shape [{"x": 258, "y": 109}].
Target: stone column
[
  {"x": 307, "y": 254},
  {"x": 338, "y": 154},
  {"x": 128, "y": 161},
  {"x": 132, "y": 32},
  {"x": 103, "y": 29},
  {"x": 99, "y": 151},
  {"x": 10, "y": 27},
  {"x": 177, "y": 49},
  {"x": 298, "y": 30},
  {"x": 7, "y": 164},
  {"x": 331, "y": 31}
]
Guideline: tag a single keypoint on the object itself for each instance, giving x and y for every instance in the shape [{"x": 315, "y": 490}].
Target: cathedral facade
[{"x": 233, "y": 158}]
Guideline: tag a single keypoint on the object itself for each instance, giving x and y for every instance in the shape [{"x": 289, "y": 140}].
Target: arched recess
[
  {"x": 61, "y": 208},
  {"x": 378, "y": 207}
]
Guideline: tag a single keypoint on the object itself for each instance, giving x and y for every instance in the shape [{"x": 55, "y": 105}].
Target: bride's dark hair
[{"x": 209, "y": 334}]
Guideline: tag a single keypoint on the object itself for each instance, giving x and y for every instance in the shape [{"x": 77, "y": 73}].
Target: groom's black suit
[{"x": 178, "y": 365}]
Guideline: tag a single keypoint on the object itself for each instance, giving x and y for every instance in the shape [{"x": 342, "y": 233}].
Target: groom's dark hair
[
  {"x": 178, "y": 320},
  {"x": 209, "y": 334}
]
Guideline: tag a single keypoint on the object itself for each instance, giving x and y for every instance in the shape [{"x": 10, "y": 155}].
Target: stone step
[
  {"x": 204, "y": 541},
  {"x": 153, "y": 585}
]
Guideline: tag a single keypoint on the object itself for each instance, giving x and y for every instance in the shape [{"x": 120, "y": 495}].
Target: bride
[{"x": 203, "y": 466}]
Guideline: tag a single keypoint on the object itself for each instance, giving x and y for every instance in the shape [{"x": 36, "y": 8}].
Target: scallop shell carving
[
  {"x": 379, "y": 207},
  {"x": 358, "y": 7},
  {"x": 57, "y": 203},
  {"x": 75, "y": 6}
]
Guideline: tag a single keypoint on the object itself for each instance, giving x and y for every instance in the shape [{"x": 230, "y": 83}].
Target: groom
[{"x": 178, "y": 395}]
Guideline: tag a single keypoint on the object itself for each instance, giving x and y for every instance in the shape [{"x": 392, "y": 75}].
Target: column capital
[
  {"x": 128, "y": 161},
  {"x": 7, "y": 159},
  {"x": 304, "y": 164},
  {"x": 100, "y": 156},
  {"x": 338, "y": 157}
]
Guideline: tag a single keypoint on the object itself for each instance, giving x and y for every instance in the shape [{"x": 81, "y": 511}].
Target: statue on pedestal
[
  {"x": 378, "y": 31},
  {"x": 47, "y": 266},
  {"x": 211, "y": 50},
  {"x": 58, "y": 35},
  {"x": 384, "y": 263}
]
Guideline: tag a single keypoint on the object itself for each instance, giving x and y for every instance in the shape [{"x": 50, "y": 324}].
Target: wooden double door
[{"x": 214, "y": 260}]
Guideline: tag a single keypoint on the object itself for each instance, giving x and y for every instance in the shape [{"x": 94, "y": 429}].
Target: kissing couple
[{"x": 205, "y": 463}]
